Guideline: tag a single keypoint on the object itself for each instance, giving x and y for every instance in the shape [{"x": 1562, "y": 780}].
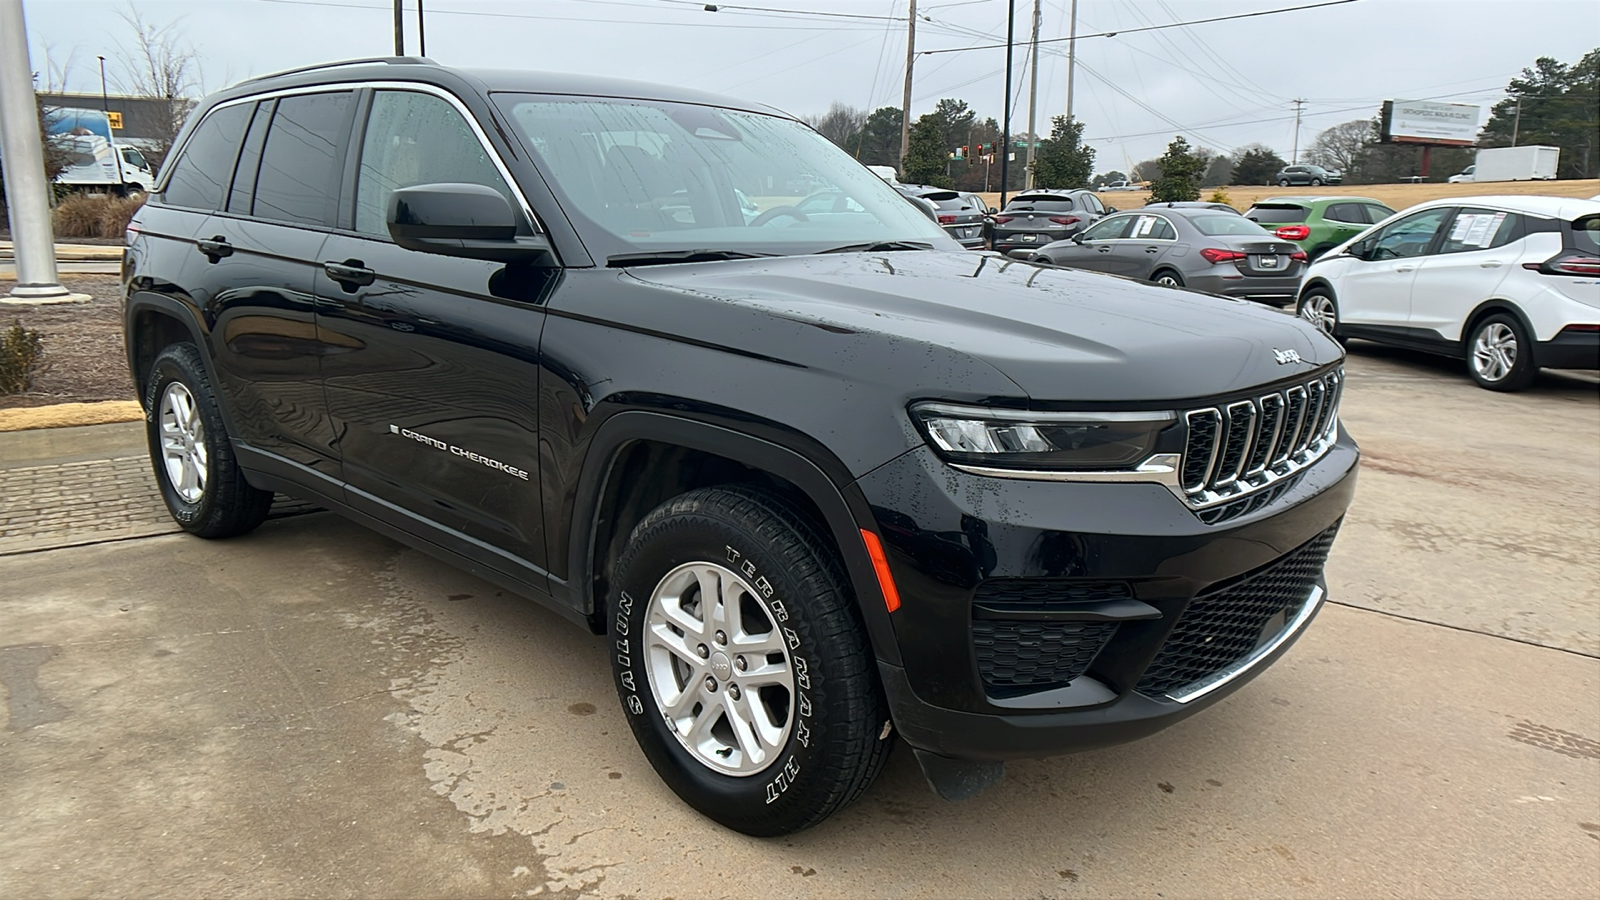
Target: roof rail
[{"x": 389, "y": 60}]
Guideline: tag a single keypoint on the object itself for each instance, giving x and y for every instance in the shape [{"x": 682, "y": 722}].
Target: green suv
[{"x": 1317, "y": 224}]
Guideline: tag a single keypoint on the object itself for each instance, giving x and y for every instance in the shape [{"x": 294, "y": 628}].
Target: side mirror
[
  {"x": 1110, "y": 210},
  {"x": 993, "y": 211},
  {"x": 465, "y": 220}
]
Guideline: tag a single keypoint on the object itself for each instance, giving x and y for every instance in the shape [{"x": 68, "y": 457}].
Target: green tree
[
  {"x": 878, "y": 141},
  {"x": 1181, "y": 169},
  {"x": 1553, "y": 104},
  {"x": 926, "y": 158},
  {"x": 1062, "y": 160},
  {"x": 1256, "y": 164},
  {"x": 1218, "y": 170},
  {"x": 956, "y": 122}
]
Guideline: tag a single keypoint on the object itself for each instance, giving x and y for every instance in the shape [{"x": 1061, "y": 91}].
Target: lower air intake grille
[
  {"x": 1036, "y": 655},
  {"x": 1221, "y": 627}
]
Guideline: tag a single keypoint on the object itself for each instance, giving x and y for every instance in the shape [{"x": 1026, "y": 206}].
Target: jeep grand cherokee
[{"x": 821, "y": 478}]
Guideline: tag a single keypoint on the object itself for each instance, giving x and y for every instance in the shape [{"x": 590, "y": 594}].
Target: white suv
[{"x": 1510, "y": 284}]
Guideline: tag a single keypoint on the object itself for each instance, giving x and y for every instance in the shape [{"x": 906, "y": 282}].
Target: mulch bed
[{"x": 83, "y": 356}]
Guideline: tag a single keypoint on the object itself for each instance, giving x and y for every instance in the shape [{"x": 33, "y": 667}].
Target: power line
[{"x": 1263, "y": 12}]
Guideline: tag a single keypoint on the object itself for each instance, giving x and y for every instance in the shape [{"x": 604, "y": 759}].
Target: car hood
[{"x": 1057, "y": 334}]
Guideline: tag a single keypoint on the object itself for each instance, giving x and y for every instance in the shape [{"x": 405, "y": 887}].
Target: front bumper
[{"x": 952, "y": 536}]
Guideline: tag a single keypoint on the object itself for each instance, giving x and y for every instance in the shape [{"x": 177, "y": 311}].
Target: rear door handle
[
  {"x": 1152, "y": 249},
  {"x": 350, "y": 274},
  {"x": 214, "y": 248}
]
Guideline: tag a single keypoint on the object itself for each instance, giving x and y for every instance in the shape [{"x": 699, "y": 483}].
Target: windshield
[
  {"x": 1277, "y": 215},
  {"x": 133, "y": 157},
  {"x": 1222, "y": 223},
  {"x": 644, "y": 176},
  {"x": 1041, "y": 204}
]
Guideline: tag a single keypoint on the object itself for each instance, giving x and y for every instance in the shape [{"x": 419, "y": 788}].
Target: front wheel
[
  {"x": 1319, "y": 308},
  {"x": 200, "y": 481},
  {"x": 1316, "y": 182},
  {"x": 1499, "y": 354},
  {"x": 742, "y": 662}
]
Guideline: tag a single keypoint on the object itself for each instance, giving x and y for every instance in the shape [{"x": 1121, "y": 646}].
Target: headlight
[{"x": 1022, "y": 439}]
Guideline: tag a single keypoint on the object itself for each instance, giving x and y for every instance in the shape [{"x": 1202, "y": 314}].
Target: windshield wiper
[
  {"x": 662, "y": 257},
  {"x": 880, "y": 247}
]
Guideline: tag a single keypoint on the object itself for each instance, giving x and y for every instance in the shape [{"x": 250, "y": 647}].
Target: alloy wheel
[
  {"x": 183, "y": 443},
  {"x": 1318, "y": 309},
  {"x": 719, "y": 668},
  {"x": 1494, "y": 351}
]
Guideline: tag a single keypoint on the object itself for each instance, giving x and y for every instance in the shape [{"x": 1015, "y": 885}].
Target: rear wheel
[
  {"x": 1318, "y": 251},
  {"x": 1283, "y": 182},
  {"x": 200, "y": 481},
  {"x": 742, "y": 663},
  {"x": 1500, "y": 355}
]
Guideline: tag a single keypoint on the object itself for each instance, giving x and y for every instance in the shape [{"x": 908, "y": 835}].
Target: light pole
[
  {"x": 105, "y": 107},
  {"x": 27, "y": 192},
  {"x": 1005, "y": 117}
]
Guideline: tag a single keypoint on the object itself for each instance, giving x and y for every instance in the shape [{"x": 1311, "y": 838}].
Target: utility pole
[
  {"x": 1295, "y": 156},
  {"x": 399, "y": 29},
  {"x": 422, "y": 32},
  {"x": 905, "y": 99},
  {"x": 1033, "y": 97},
  {"x": 1072, "y": 53},
  {"x": 27, "y": 194},
  {"x": 1005, "y": 111},
  {"x": 1516, "y": 122}
]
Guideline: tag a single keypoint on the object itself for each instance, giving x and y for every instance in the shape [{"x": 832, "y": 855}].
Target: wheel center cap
[{"x": 720, "y": 667}]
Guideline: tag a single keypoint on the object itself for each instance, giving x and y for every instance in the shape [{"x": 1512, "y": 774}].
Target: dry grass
[
  {"x": 95, "y": 215},
  {"x": 63, "y": 415},
  {"x": 1394, "y": 196}
]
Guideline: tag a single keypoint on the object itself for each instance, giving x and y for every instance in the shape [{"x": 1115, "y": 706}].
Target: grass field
[{"x": 1395, "y": 196}]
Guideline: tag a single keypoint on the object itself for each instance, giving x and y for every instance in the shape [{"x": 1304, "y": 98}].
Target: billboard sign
[{"x": 1428, "y": 122}]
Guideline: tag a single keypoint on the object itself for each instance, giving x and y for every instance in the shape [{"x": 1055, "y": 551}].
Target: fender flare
[
  {"x": 843, "y": 506},
  {"x": 1489, "y": 307}
]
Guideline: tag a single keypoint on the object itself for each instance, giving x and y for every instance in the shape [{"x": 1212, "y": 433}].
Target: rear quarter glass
[
  {"x": 1584, "y": 235},
  {"x": 1278, "y": 214}
]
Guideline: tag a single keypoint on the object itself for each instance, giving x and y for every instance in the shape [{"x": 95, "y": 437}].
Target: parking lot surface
[{"x": 313, "y": 710}]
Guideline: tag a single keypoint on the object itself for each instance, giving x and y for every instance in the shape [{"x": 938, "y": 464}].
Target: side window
[
  {"x": 202, "y": 172},
  {"x": 1153, "y": 228},
  {"x": 1376, "y": 214},
  {"x": 1410, "y": 236},
  {"x": 299, "y": 177},
  {"x": 243, "y": 191},
  {"x": 415, "y": 138},
  {"x": 1109, "y": 229},
  {"x": 1345, "y": 212},
  {"x": 1093, "y": 203},
  {"x": 1480, "y": 229}
]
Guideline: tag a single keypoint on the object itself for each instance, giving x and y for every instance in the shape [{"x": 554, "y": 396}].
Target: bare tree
[
  {"x": 159, "y": 63},
  {"x": 1339, "y": 147},
  {"x": 839, "y": 124}
]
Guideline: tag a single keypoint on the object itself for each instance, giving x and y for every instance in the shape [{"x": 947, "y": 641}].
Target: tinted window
[
  {"x": 1377, "y": 212},
  {"x": 414, "y": 138},
  {"x": 1281, "y": 214},
  {"x": 1345, "y": 212},
  {"x": 203, "y": 171},
  {"x": 1109, "y": 229},
  {"x": 1586, "y": 234},
  {"x": 952, "y": 203},
  {"x": 244, "y": 177},
  {"x": 1041, "y": 204},
  {"x": 1092, "y": 202},
  {"x": 1409, "y": 236},
  {"x": 1480, "y": 229},
  {"x": 299, "y": 173},
  {"x": 1222, "y": 223}
]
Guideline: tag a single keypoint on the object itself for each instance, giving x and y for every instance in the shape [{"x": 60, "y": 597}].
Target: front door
[
  {"x": 435, "y": 391},
  {"x": 1376, "y": 288}
]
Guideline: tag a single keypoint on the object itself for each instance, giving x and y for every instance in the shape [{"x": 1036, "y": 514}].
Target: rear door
[
  {"x": 1146, "y": 243},
  {"x": 435, "y": 392},
  {"x": 1343, "y": 222},
  {"x": 265, "y": 242},
  {"x": 1478, "y": 249}
]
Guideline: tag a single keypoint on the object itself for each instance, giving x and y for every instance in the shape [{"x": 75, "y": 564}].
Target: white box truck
[
  {"x": 93, "y": 154},
  {"x": 1531, "y": 163}
]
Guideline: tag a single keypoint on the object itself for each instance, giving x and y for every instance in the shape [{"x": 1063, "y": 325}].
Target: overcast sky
[{"x": 1221, "y": 85}]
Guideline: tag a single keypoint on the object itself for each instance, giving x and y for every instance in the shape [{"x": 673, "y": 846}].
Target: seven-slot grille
[{"x": 1239, "y": 447}]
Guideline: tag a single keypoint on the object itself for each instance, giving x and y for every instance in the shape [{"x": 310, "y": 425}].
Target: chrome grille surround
[{"x": 1253, "y": 443}]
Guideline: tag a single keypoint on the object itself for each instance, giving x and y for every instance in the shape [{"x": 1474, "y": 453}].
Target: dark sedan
[
  {"x": 956, "y": 215},
  {"x": 1201, "y": 249},
  {"x": 1036, "y": 218}
]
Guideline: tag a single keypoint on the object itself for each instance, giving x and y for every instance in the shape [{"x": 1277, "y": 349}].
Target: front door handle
[
  {"x": 1404, "y": 268},
  {"x": 214, "y": 248},
  {"x": 1490, "y": 264},
  {"x": 1104, "y": 249},
  {"x": 350, "y": 274}
]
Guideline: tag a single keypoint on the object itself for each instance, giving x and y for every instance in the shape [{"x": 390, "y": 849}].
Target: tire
[
  {"x": 1318, "y": 307},
  {"x": 1167, "y": 278},
  {"x": 190, "y": 451},
  {"x": 1500, "y": 354},
  {"x": 1316, "y": 182},
  {"x": 823, "y": 718},
  {"x": 1283, "y": 182},
  {"x": 1317, "y": 252}
]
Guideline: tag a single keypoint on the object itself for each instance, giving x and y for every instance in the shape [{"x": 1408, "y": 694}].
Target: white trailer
[
  {"x": 94, "y": 155},
  {"x": 1531, "y": 163}
]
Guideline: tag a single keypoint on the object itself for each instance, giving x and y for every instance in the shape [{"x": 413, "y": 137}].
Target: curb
[{"x": 67, "y": 415}]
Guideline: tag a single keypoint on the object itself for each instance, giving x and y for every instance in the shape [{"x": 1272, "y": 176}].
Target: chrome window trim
[
  {"x": 337, "y": 86},
  {"x": 1204, "y": 686}
]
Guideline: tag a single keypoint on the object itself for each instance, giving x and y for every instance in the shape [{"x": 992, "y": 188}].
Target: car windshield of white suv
[{"x": 651, "y": 178}]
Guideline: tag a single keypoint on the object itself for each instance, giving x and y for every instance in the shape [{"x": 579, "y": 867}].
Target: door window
[
  {"x": 1345, "y": 212},
  {"x": 1480, "y": 229},
  {"x": 1153, "y": 228},
  {"x": 1093, "y": 203},
  {"x": 1408, "y": 237},
  {"x": 1109, "y": 229},
  {"x": 414, "y": 138},
  {"x": 299, "y": 177},
  {"x": 203, "y": 170}
]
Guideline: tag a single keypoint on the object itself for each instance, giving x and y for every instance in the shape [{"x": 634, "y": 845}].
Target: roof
[
  {"x": 1322, "y": 198},
  {"x": 1550, "y": 207}
]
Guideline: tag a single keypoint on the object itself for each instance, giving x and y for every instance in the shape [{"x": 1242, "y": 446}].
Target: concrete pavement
[{"x": 315, "y": 711}]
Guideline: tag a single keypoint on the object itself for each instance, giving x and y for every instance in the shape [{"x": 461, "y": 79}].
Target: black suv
[
  {"x": 820, "y": 478},
  {"x": 1033, "y": 219}
]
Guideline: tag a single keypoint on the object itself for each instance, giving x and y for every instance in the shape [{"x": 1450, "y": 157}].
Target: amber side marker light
[{"x": 880, "y": 564}]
